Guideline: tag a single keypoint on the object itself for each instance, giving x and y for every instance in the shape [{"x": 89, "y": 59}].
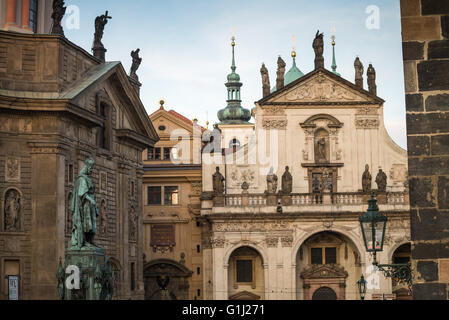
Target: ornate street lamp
[
  {"x": 373, "y": 224},
  {"x": 362, "y": 287}
]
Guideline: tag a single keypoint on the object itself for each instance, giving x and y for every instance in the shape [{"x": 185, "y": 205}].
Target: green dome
[
  {"x": 293, "y": 74},
  {"x": 233, "y": 77},
  {"x": 234, "y": 115}
]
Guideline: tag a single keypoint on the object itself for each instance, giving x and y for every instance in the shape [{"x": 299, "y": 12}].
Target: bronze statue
[
  {"x": 84, "y": 208},
  {"x": 318, "y": 47},
  {"x": 57, "y": 15},
  {"x": 135, "y": 65},
  {"x": 218, "y": 182},
  {"x": 359, "y": 69},
  {"x": 265, "y": 81},
  {"x": 100, "y": 22},
  {"x": 366, "y": 180},
  {"x": 287, "y": 181},
  {"x": 280, "y": 74},
  {"x": 272, "y": 182},
  {"x": 381, "y": 181}
]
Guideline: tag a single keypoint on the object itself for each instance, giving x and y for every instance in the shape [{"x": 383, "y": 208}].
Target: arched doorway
[
  {"x": 402, "y": 255},
  {"x": 324, "y": 293},
  {"x": 327, "y": 262},
  {"x": 166, "y": 279},
  {"x": 245, "y": 274}
]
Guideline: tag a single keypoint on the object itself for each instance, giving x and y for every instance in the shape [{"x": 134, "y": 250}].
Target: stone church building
[
  {"x": 58, "y": 106},
  {"x": 282, "y": 196}
]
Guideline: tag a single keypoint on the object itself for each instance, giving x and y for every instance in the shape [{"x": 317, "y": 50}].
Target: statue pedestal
[
  {"x": 99, "y": 52},
  {"x": 286, "y": 200},
  {"x": 381, "y": 197},
  {"x": 219, "y": 201},
  {"x": 327, "y": 198},
  {"x": 272, "y": 200},
  {"x": 96, "y": 276}
]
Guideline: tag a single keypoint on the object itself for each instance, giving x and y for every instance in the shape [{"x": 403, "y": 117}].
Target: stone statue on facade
[
  {"x": 316, "y": 185},
  {"x": 272, "y": 182},
  {"x": 135, "y": 64},
  {"x": 287, "y": 181},
  {"x": 381, "y": 181},
  {"x": 371, "y": 74},
  {"x": 57, "y": 15},
  {"x": 218, "y": 182},
  {"x": 280, "y": 74},
  {"x": 366, "y": 180},
  {"x": 98, "y": 47},
  {"x": 84, "y": 208},
  {"x": 359, "y": 69},
  {"x": 100, "y": 23},
  {"x": 265, "y": 80},
  {"x": 321, "y": 154},
  {"x": 318, "y": 47},
  {"x": 12, "y": 210}
]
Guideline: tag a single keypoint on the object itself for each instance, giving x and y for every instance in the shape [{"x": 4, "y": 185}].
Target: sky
[{"x": 185, "y": 46}]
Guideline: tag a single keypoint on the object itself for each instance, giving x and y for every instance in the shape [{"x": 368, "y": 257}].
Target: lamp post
[
  {"x": 373, "y": 224},
  {"x": 362, "y": 287}
]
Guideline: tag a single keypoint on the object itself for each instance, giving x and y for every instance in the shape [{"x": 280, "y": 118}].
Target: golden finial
[
  {"x": 293, "y": 46},
  {"x": 207, "y": 124},
  {"x": 162, "y": 102},
  {"x": 233, "y": 37}
]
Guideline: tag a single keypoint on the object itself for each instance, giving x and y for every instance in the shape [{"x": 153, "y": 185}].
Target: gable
[
  {"x": 110, "y": 82},
  {"x": 324, "y": 271},
  {"x": 170, "y": 121},
  {"x": 321, "y": 87}
]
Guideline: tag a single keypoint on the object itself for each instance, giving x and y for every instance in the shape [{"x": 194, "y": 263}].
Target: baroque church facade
[{"x": 282, "y": 196}]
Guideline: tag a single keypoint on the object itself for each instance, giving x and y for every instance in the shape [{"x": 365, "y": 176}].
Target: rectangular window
[
  {"x": 157, "y": 154},
  {"x": 167, "y": 153},
  {"x": 331, "y": 255},
  {"x": 150, "y": 153},
  {"x": 199, "y": 292},
  {"x": 171, "y": 196},
  {"x": 244, "y": 271},
  {"x": 198, "y": 248},
  {"x": 133, "y": 277},
  {"x": 198, "y": 270},
  {"x": 154, "y": 196},
  {"x": 316, "y": 255},
  {"x": 33, "y": 15}
]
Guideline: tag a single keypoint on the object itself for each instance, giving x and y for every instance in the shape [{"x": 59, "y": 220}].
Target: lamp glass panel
[
  {"x": 367, "y": 230},
  {"x": 379, "y": 229}
]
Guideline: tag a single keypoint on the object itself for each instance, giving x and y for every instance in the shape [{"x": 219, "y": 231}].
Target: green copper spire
[
  {"x": 294, "y": 73},
  {"x": 334, "y": 63},
  {"x": 234, "y": 113}
]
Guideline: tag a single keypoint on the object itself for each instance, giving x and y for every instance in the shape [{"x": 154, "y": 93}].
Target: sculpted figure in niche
[
  {"x": 381, "y": 181},
  {"x": 321, "y": 146},
  {"x": 132, "y": 224},
  {"x": 84, "y": 208},
  {"x": 12, "y": 210},
  {"x": 272, "y": 181},
  {"x": 218, "y": 182},
  {"x": 287, "y": 181},
  {"x": 366, "y": 180}
]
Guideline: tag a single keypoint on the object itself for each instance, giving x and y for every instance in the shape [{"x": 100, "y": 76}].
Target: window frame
[
  {"x": 34, "y": 15},
  {"x": 148, "y": 196},
  {"x": 323, "y": 252},
  {"x": 165, "y": 193},
  {"x": 253, "y": 270},
  {"x": 162, "y": 188}
]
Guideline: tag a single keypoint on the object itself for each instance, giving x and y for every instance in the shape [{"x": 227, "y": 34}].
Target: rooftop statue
[
  {"x": 265, "y": 80},
  {"x": 287, "y": 181},
  {"x": 84, "y": 208},
  {"x": 280, "y": 74},
  {"x": 381, "y": 181},
  {"x": 359, "y": 69},
  {"x": 57, "y": 15},
  {"x": 218, "y": 182},
  {"x": 100, "y": 22},
  {"x": 318, "y": 47},
  {"x": 272, "y": 182},
  {"x": 135, "y": 65}
]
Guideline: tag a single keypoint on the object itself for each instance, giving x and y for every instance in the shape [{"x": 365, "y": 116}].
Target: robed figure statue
[{"x": 84, "y": 208}]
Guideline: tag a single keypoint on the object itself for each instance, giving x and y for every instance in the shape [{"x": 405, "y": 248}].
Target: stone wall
[{"x": 425, "y": 32}]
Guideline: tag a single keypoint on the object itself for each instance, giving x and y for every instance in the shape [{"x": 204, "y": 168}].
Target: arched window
[{"x": 234, "y": 144}]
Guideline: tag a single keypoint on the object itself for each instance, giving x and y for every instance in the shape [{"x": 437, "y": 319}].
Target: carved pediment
[
  {"x": 320, "y": 87},
  {"x": 324, "y": 271},
  {"x": 244, "y": 295}
]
